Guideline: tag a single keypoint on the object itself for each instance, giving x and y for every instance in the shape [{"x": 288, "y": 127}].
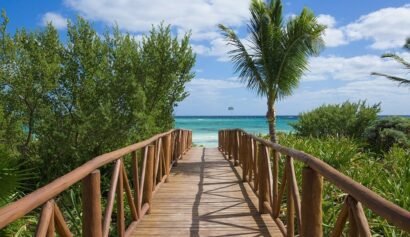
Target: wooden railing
[
  {"x": 155, "y": 156},
  {"x": 260, "y": 161}
]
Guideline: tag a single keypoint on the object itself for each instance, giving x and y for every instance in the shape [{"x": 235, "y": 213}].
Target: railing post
[
  {"x": 312, "y": 184},
  {"x": 180, "y": 144},
  {"x": 262, "y": 174},
  {"x": 159, "y": 172},
  {"x": 225, "y": 143},
  {"x": 183, "y": 142},
  {"x": 136, "y": 181},
  {"x": 356, "y": 212},
  {"x": 173, "y": 148},
  {"x": 244, "y": 157},
  {"x": 353, "y": 231},
  {"x": 236, "y": 148},
  {"x": 251, "y": 164},
  {"x": 275, "y": 180},
  {"x": 47, "y": 212},
  {"x": 227, "y": 151},
  {"x": 175, "y": 145},
  {"x": 219, "y": 139},
  {"x": 256, "y": 151},
  {"x": 120, "y": 204},
  {"x": 290, "y": 206},
  {"x": 91, "y": 199},
  {"x": 149, "y": 176},
  {"x": 167, "y": 155},
  {"x": 229, "y": 139}
]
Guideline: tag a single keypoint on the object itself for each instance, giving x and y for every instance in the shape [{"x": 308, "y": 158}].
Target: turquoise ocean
[{"x": 205, "y": 128}]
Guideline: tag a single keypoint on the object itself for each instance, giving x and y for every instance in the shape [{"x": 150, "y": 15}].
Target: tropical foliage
[
  {"x": 341, "y": 135},
  {"x": 278, "y": 51},
  {"x": 348, "y": 119},
  {"x": 387, "y": 132},
  {"x": 64, "y": 104},
  {"x": 397, "y": 58},
  {"x": 388, "y": 175}
]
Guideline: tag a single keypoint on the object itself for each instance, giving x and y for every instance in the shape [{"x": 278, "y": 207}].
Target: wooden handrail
[
  {"x": 45, "y": 195},
  {"x": 396, "y": 215}
]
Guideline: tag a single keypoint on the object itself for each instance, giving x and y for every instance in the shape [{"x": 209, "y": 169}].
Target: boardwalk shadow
[{"x": 222, "y": 203}]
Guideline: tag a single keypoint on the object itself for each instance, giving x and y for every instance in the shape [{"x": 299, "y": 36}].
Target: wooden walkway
[{"x": 205, "y": 197}]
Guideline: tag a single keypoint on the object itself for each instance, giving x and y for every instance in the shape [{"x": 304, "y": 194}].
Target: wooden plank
[{"x": 205, "y": 197}]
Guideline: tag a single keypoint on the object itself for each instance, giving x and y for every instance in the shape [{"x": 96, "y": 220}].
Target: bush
[
  {"x": 386, "y": 132},
  {"x": 63, "y": 103},
  {"x": 337, "y": 152},
  {"x": 341, "y": 120}
]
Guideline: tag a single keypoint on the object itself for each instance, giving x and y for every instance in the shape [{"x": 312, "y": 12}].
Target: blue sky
[{"x": 358, "y": 33}]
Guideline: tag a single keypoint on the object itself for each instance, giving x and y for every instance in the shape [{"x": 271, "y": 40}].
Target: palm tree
[
  {"x": 278, "y": 52},
  {"x": 400, "y": 80}
]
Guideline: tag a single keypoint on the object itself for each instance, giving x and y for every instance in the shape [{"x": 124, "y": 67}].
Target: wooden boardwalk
[{"x": 205, "y": 197}]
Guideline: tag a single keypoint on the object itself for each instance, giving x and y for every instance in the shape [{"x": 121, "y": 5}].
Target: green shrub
[
  {"x": 348, "y": 119},
  {"x": 386, "y": 132},
  {"x": 337, "y": 152},
  {"x": 62, "y": 103}
]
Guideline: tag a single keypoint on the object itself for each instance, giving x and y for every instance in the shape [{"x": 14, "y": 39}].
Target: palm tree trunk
[{"x": 271, "y": 117}]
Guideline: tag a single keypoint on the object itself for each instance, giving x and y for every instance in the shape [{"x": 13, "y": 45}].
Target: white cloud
[
  {"x": 218, "y": 48},
  {"x": 352, "y": 68},
  {"x": 387, "y": 27},
  {"x": 326, "y": 20},
  {"x": 200, "y": 49},
  {"x": 200, "y": 16},
  {"x": 333, "y": 37},
  {"x": 205, "y": 84},
  {"x": 56, "y": 20}
]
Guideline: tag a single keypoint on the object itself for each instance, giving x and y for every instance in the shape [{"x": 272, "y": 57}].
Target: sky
[{"x": 357, "y": 33}]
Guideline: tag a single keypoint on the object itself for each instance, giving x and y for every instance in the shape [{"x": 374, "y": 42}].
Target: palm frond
[
  {"x": 397, "y": 59},
  {"x": 12, "y": 179},
  {"x": 301, "y": 39},
  {"x": 402, "y": 81},
  {"x": 243, "y": 62}
]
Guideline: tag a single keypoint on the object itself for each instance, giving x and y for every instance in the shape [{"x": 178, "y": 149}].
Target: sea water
[{"x": 205, "y": 128}]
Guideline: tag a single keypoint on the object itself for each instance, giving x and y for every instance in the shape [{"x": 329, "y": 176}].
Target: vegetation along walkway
[{"x": 205, "y": 196}]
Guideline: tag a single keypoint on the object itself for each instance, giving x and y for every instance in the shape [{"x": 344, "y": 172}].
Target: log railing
[
  {"x": 155, "y": 156},
  {"x": 260, "y": 161}
]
